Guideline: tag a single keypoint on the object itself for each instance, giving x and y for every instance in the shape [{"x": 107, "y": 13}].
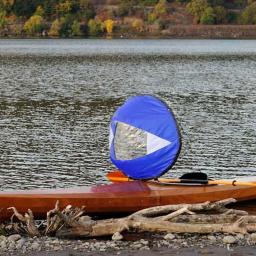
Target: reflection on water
[{"x": 57, "y": 97}]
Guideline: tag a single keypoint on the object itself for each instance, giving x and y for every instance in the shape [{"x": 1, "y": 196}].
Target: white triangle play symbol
[
  {"x": 132, "y": 142},
  {"x": 155, "y": 143}
]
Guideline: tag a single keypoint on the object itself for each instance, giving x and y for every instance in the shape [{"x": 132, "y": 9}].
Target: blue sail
[{"x": 144, "y": 138}]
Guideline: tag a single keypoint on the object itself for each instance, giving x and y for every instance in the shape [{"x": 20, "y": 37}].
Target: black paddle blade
[{"x": 194, "y": 177}]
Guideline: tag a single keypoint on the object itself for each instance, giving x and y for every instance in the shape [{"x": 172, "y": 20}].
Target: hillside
[{"x": 121, "y": 18}]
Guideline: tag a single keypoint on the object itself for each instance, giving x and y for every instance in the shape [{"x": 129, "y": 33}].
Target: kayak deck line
[{"x": 188, "y": 178}]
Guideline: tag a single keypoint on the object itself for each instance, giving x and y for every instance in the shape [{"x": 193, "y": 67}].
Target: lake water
[{"x": 57, "y": 97}]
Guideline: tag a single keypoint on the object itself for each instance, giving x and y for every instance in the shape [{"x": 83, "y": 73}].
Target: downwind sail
[{"x": 144, "y": 138}]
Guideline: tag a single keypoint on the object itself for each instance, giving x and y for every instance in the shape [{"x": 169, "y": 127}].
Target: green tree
[
  {"x": 66, "y": 25},
  {"x": 55, "y": 28},
  {"x": 3, "y": 20},
  {"x": 64, "y": 8},
  {"x": 160, "y": 8},
  {"x": 208, "y": 16},
  {"x": 197, "y": 8},
  {"x": 148, "y": 2},
  {"x": 152, "y": 17},
  {"x": 87, "y": 10},
  {"x": 33, "y": 25},
  {"x": 232, "y": 17},
  {"x": 220, "y": 14},
  {"x": 239, "y": 3},
  {"x": 49, "y": 7},
  {"x": 75, "y": 6},
  {"x": 95, "y": 27},
  {"x": 216, "y": 2},
  {"x": 6, "y": 5},
  {"x": 182, "y": 1},
  {"x": 76, "y": 29},
  {"x": 248, "y": 16},
  {"x": 39, "y": 11},
  {"x": 25, "y": 8}
]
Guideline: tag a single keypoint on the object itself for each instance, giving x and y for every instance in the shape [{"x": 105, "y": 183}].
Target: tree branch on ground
[{"x": 181, "y": 218}]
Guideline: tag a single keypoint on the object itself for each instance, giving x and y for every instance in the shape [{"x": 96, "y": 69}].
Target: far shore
[{"x": 174, "y": 32}]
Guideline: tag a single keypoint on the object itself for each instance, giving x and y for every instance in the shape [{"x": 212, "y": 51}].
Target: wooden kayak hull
[{"x": 118, "y": 197}]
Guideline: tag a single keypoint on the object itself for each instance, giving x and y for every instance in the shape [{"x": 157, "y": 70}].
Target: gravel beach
[{"x": 132, "y": 244}]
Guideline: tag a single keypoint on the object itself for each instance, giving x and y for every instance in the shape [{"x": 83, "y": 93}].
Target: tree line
[{"x": 71, "y": 18}]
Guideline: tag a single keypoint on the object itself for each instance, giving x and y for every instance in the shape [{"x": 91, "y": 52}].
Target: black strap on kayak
[{"x": 194, "y": 177}]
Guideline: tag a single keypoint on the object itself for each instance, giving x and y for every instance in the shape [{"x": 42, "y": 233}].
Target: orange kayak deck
[{"x": 118, "y": 197}]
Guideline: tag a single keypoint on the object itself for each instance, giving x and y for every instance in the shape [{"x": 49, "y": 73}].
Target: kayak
[{"x": 120, "y": 197}]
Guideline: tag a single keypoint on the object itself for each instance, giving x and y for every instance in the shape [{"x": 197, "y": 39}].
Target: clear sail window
[{"x": 129, "y": 142}]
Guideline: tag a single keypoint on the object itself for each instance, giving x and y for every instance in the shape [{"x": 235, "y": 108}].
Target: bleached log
[
  {"x": 205, "y": 218},
  {"x": 142, "y": 221},
  {"x": 182, "y": 218},
  {"x": 166, "y": 209}
]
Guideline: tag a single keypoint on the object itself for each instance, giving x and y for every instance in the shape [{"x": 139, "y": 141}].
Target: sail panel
[{"x": 144, "y": 138}]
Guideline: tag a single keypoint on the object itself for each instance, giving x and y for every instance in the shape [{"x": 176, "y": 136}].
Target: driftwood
[{"x": 183, "y": 218}]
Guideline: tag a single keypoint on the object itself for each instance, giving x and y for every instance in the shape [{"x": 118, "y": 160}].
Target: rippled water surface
[{"x": 57, "y": 97}]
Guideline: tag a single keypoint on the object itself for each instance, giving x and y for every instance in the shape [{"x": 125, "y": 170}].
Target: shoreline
[
  {"x": 175, "y": 32},
  {"x": 133, "y": 244},
  {"x": 193, "y": 251}
]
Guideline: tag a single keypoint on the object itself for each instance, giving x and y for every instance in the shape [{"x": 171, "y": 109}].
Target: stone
[
  {"x": 144, "y": 248},
  {"x": 55, "y": 241},
  {"x": 97, "y": 245},
  {"x": 111, "y": 244},
  {"x": 144, "y": 242},
  {"x": 117, "y": 236},
  {"x": 2, "y": 238},
  {"x": 229, "y": 240},
  {"x": 253, "y": 237},
  {"x": 164, "y": 243},
  {"x": 241, "y": 236},
  {"x": 12, "y": 245},
  {"x": 24, "y": 249},
  {"x": 136, "y": 246},
  {"x": 3, "y": 244},
  {"x": 14, "y": 237},
  {"x": 35, "y": 246},
  {"x": 57, "y": 248},
  {"x": 169, "y": 236},
  {"x": 212, "y": 238},
  {"x": 20, "y": 243},
  {"x": 184, "y": 243}
]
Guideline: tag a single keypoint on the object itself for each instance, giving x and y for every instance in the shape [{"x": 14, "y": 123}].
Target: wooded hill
[{"x": 72, "y": 18}]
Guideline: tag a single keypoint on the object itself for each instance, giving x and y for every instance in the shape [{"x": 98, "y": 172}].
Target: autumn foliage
[
  {"x": 83, "y": 18},
  {"x": 34, "y": 24},
  {"x": 109, "y": 24}
]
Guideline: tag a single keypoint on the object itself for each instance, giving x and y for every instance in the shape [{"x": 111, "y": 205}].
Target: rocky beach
[{"x": 132, "y": 244}]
